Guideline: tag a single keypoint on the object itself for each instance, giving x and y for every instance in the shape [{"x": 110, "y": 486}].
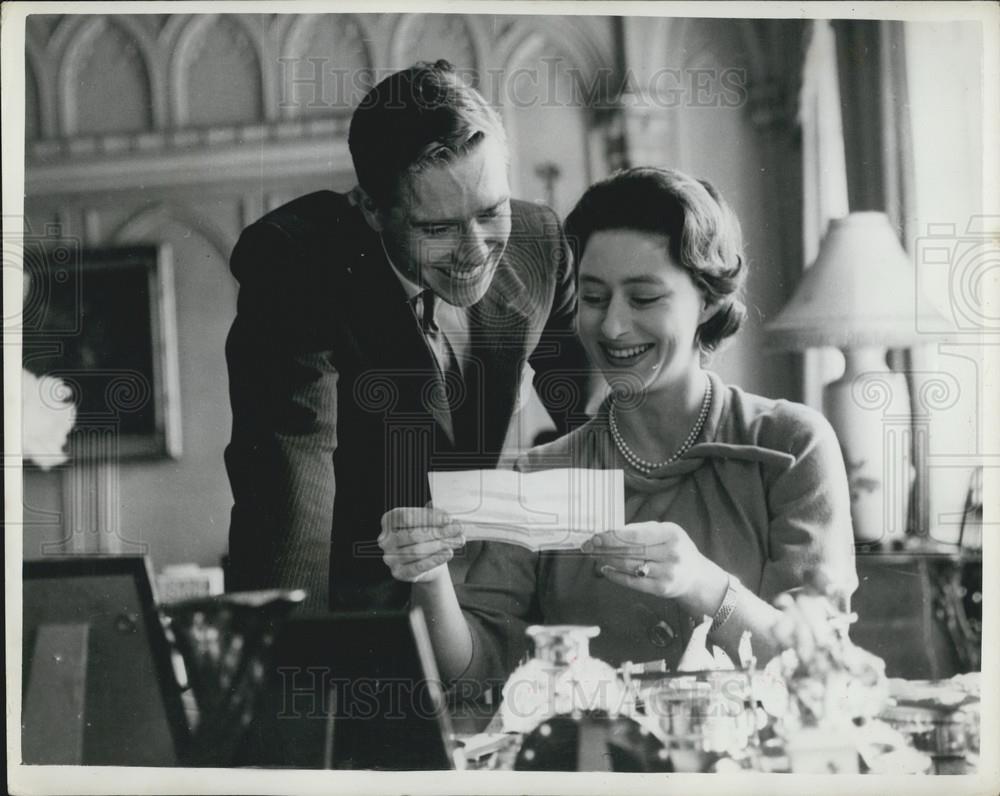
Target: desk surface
[{"x": 923, "y": 549}]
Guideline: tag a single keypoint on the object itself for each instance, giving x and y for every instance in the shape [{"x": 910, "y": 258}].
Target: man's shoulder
[
  {"x": 304, "y": 237},
  {"x": 536, "y": 238},
  {"x": 533, "y": 216},
  {"x": 320, "y": 211}
]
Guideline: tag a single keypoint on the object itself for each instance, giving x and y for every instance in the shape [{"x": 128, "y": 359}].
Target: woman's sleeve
[
  {"x": 499, "y": 601},
  {"x": 811, "y": 538}
]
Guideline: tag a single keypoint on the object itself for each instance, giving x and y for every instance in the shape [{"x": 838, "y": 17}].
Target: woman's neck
[{"x": 657, "y": 423}]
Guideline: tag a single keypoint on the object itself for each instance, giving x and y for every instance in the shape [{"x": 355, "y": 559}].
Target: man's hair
[
  {"x": 414, "y": 118},
  {"x": 700, "y": 231}
]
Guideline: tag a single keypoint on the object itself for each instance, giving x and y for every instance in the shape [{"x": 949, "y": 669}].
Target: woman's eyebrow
[
  {"x": 642, "y": 280},
  {"x": 630, "y": 280}
]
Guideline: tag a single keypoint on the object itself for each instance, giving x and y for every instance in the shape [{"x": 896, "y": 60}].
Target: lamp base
[{"x": 869, "y": 408}]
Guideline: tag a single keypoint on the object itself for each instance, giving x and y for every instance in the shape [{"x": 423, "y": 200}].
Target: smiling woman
[
  {"x": 639, "y": 316},
  {"x": 730, "y": 498},
  {"x": 661, "y": 276}
]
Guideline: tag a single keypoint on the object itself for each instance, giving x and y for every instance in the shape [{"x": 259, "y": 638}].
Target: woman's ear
[
  {"x": 367, "y": 206},
  {"x": 709, "y": 310}
]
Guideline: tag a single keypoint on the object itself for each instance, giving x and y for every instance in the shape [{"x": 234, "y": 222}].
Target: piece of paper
[{"x": 545, "y": 510}]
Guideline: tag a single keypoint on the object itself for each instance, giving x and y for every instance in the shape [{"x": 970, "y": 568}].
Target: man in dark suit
[{"x": 385, "y": 333}]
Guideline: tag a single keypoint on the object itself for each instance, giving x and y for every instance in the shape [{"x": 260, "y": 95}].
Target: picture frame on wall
[{"x": 102, "y": 321}]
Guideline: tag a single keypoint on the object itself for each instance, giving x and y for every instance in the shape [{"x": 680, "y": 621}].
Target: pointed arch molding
[
  {"x": 41, "y": 69},
  {"x": 572, "y": 42},
  {"x": 186, "y": 40},
  {"x": 524, "y": 44},
  {"x": 402, "y": 36},
  {"x": 299, "y": 30},
  {"x": 34, "y": 116},
  {"x": 73, "y": 36},
  {"x": 143, "y": 226},
  {"x": 526, "y": 47},
  {"x": 353, "y": 48}
]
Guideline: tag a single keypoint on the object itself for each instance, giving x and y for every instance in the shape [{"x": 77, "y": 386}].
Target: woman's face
[{"x": 639, "y": 311}]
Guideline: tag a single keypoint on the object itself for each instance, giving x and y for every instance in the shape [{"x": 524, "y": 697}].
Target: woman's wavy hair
[{"x": 702, "y": 234}]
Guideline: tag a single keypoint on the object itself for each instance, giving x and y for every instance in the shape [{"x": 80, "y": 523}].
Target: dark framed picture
[{"x": 103, "y": 322}]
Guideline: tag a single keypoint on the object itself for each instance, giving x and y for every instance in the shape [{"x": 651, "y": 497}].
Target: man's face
[{"x": 450, "y": 226}]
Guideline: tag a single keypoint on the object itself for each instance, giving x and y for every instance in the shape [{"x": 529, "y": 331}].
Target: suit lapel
[
  {"x": 391, "y": 345},
  {"x": 497, "y": 327}
]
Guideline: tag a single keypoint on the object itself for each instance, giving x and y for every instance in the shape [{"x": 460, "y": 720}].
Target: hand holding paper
[
  {"x": 417, "y": 543},
  {"x": 546, "y": 510}
]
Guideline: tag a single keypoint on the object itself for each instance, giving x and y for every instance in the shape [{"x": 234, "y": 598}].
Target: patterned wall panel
[
  {"x": 218, "y": 73},
  {"x": 427, "y": 37},
  {"x": 32, "y": 112},
  {"x": 146, "y": 223},
  {"x": 43, "y": 25},
  {"x": 325, "y": 66},
  {"x": 39, "y": 98},
  {"x": 190, "y": 91},
  {"x": 546, "y": 118},
  {"x": 154, "y": 23},
  {"x": 106, "y": 82}
]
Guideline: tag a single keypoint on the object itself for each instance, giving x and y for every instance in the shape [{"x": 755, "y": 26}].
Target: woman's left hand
[{"x": 658, "y": 558}]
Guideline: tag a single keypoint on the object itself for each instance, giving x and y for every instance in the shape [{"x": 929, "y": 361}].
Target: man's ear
[{"x": 367, "y": 206}]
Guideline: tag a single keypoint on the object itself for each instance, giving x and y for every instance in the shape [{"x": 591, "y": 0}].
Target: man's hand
[{"x": 418, "y": 543}]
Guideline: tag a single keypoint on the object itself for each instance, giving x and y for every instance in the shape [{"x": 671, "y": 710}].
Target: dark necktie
[
  {"x": 444, "y": 356},
  {"x": 427, "y": 323}
]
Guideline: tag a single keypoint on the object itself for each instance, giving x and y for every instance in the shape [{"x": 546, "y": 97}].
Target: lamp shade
[{"x": 861, "y": 291}]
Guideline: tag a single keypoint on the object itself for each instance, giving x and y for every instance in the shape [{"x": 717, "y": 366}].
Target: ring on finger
[{"x": 642, "y": 570}]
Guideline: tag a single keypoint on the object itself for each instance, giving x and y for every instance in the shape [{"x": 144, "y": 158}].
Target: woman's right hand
[{"x": 418, "y": 543}]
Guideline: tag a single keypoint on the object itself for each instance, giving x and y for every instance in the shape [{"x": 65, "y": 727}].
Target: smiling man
[{"x": 385, "y": 333}]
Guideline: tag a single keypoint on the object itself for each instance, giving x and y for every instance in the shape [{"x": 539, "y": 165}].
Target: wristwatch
[{"x": 727, "y": 607}]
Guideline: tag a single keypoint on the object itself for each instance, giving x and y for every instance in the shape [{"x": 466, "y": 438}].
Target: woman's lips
[{"x": 621, "y": 356}]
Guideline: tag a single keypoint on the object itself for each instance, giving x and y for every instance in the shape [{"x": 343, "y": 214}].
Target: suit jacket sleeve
[
  {"x": 560, "y": 363},
  {"x": 283, "y": 390}
]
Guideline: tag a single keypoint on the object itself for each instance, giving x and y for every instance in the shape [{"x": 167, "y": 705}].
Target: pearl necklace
[{"x": 647, "y": 467}]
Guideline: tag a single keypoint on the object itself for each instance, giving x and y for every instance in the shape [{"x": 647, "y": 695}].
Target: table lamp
[{"x": 860, "y": 296}]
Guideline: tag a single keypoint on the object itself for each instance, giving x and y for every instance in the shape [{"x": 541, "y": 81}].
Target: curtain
[
  {"x": 874, "y": 101},
  {"x": 954, "y": 250},
  {"x": 871, "y": 62},
  {"x": 824, "y": 179}
]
